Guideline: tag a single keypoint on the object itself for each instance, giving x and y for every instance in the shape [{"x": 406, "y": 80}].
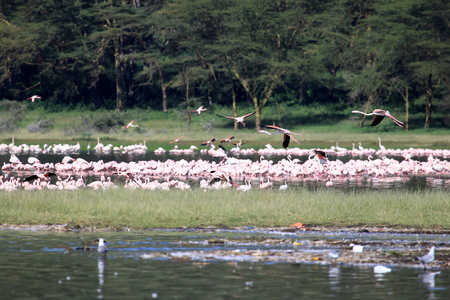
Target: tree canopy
[{"x": 162, "y": 54}]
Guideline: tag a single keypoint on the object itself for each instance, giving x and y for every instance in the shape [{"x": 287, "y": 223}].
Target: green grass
[{"x": 141, "y": 209}]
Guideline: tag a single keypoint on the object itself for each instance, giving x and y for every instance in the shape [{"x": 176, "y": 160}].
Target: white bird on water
[
  {"x": 101, "y": 246},
  {"x": 334, "y": 254},
  {"x": 427, "y": 258}
]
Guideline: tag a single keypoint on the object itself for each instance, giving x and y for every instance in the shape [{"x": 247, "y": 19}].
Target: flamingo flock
[
  {"x": 322, "y": 165},
  {"x": 147, "y": 174}
]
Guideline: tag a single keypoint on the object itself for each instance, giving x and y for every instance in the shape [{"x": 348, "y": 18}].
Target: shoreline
[
  {"x": 294, "y": 250},
  {"x": 284, "y": 229}
]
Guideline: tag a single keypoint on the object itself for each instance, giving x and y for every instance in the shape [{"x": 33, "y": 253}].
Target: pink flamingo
[
  {"x": 199, "y": 110},
  {"x": 208, "y": 143},
  {"x": 379, "y": 116},
  {"x": 286, "y": 132},
  {"x": 130, "y": 125},
  {"x": 33, "y": 98},
  {"x": 228, "y": 140},
  {"x": 238, "y": 119},
  {"x": 45, "y": 177},
  {"x": 176, "y": 140}
]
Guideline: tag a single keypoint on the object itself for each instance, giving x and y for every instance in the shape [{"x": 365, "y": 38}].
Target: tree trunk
[
  {"x": 233, "y": 96},
  {"x": 407, "y": 109},
  {"x": 258, "y": 113},
  {"x": 210, "y": 103},
  {"x": 119, "y": 74},
  {"x": 163, "y": 89},
  {"x": 186, "y": 85},
  {"x": 428, "y": 103},
  {"x": 369, "y": 101}
]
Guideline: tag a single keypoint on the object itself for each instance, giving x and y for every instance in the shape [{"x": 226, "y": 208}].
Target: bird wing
[
  {"x": 273, "y": 127},
  {"x": 225, "y": 117},
  {"x": 252, "y": 113},
  {"x": 376, "y": 120},
  {"x": 31, "y": 178},
  {"x": 321, "y": 154},
  {"x": 286, "y": 140}
]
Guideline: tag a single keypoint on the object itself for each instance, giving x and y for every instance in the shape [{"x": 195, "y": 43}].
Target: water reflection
[
  {"x": 36, "y": 265},
  {"x": 101, "y": 270}
]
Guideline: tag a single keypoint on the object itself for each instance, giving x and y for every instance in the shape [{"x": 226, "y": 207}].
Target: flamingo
[
  {"x": 238, "y": 119},
  {"x": 33, "y": 98},
  {"x": 32, "y": 160},
  {"x": 130, "y": 125},
  {"x": 379, "y": 116},
  {"x": 14, "y": 159},
  {"x": 208, "y": 143},
  {"x": 199, "y": 110},
  {"x": 284, "y": 186},
  {"x": 45, "y": 177},
  {"x": 228, "y": 140},
  {"x": 220, "y": 177},
  {"x": 129, "y": 176},
  {"x": 176, "y": 140},
  {"x": 382, "y": 148},
  {"x": 286, "y": 132}
]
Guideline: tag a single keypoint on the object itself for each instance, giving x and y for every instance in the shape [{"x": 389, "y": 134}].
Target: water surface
[{"x": 40, "y": 265}]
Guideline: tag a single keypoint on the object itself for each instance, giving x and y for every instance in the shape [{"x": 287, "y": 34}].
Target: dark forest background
[{"x": 255, "y": 53}]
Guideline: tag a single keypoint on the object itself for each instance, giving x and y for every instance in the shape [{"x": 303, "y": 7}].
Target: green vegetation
[
  {"x": 251, "y": 55},
  {"x": 144, "y": 209},
  {"x": 157, "y": 129}
]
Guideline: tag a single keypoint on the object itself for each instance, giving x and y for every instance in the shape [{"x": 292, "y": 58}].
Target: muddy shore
[{"x": 299, "y": 249}]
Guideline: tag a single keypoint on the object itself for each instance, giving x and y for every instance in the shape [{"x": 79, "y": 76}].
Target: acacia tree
[{"x": 117, "y": 35}]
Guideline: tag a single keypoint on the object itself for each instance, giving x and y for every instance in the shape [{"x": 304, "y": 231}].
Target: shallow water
[{"x": 39, "y": 265}]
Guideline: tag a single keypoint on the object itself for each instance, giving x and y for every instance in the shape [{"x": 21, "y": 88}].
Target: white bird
[
  {"x": 381, "y": 269},
  {"x": 101, "y": 246},
  {"x": 239, "y": 119},
  {"x": 33, "y": 98},
  {"x": 357, "y": 248},
  {"x": 284, "y": 186},
  {"x": 199, "y": 110},
  {"x": 32, "y": 160},
  {"x": 14, "y": 159},
  {"x": 427, "y": 258},
  {"x": 334, "y": 254},
  {"x": 130, "y": 125}
]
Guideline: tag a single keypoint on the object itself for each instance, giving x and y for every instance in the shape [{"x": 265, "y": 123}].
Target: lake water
[{"x": 38, "y": 265}]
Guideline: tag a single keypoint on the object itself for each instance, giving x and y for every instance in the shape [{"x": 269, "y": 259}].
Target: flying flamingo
[
  {"x": 33, "y": 98},
  {"x": 287, "y": 134},
  {"x": 45, "y": 177},
  {"x": 379, "y": 116},
  {"x": 228, "y": 140},
  {"x": 199, "y": 110},
  {"x": 222, "y": 178},
  {"x": 176, "y": 140},
  {"x": 208, "y": 143},
  {"x": 130, "y": 125},
  {"x": 238, "y": 119}
]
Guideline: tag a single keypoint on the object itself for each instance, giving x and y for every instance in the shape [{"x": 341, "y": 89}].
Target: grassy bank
[
  {"x": 157, "y": 129},
  {"x": 143, "y": 209}
]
